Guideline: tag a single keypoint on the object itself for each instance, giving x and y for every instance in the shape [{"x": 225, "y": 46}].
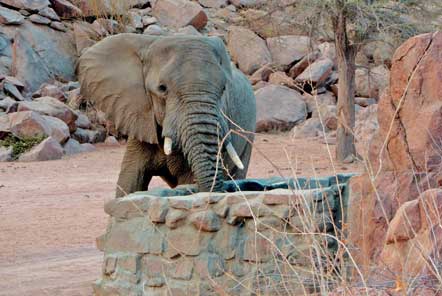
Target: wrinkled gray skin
[{"x": 177, "y": 87}]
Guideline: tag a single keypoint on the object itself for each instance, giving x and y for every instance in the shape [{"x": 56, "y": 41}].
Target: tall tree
[
  {"x": 353, "y": 23},
  {"x": 346, "y": 56}
]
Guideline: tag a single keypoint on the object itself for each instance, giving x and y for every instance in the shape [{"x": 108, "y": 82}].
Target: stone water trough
[{"x": 260, "y": 237}]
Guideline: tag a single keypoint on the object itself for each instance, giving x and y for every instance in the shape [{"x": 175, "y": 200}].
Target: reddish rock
[
  {"x": 404, "y": 160},
  {"x": 49, "y": 149},
  {"x": 257, "y": 53},
  {"x": 179, "y": 13},
  {"x": 405, "y": 224},
  {"x": 66, "y": 9},
  {"x": 28, "y": 124},
  {"x": 402, "y": 154},
  {"x": 270, "y": 115},
  {"x": 430, "y": 207},
  {"x": 52, "y": 107},
  {"x": 38, "y": 19}
]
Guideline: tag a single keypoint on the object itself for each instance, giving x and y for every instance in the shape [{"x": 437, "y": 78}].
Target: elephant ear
[
  {"x": 111, "y": 76},
  {"x": 221, "y": 51}
]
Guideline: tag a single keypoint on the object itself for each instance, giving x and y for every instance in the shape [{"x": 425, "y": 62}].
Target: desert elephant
[{"x": 176, "y": 98}]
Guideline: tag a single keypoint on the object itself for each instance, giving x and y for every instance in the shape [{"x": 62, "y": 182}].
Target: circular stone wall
[{"x": 261, "y": 237}]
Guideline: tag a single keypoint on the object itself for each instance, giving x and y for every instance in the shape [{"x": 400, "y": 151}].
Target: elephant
[{"x": 188, "y": 113}]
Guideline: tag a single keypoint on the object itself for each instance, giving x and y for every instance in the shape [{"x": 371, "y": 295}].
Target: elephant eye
[{"x": 162, "y": 88}]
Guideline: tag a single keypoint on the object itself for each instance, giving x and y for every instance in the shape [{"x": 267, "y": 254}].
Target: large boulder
[
  {"x": 247, "y": 49},
  {"x": 28, "y": 124},
  {"x": 306, "y": 61},
  {"x": 10, "y": 17},
  {"x": 279, "y": 108},
  {"x": 39, "y": 54},
  {"x": 414, "y": 238},
  {"x": 72, "y": 146},
  {"x": 316, "y": 73},
  {"x": 49, "y": 149},
  {"x": 366, "y": 125},
  {"x": 276, "y": 22},
  {"x": 59, "y": 129},
  {"x": 32, "y": 5},
  {"x": 179, "y": 13},
  {"x": 404, "y": 155},
  {"x": 52, "y": 107},
  {"x": 371, "y": 83},
  {"x": 247, "y": 3},
  {"x": 66, "y": 9},
  {"x": 288, "y": 49},
  {"x": 213, "y": 3}
]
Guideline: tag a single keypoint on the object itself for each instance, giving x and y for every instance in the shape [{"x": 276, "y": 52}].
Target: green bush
[{"x": 20, "y": 145}]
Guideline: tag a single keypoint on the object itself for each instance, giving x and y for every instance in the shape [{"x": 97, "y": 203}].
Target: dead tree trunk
[{"x": 346, "y": 55}]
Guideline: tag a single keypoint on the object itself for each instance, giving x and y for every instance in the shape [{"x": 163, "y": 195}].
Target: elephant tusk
[
  {"x": 234, "y": 156},
  {"x": 167, "y": 145}
]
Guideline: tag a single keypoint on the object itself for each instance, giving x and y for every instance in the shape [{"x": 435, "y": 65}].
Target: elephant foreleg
[{"x": 134, "y": 175}]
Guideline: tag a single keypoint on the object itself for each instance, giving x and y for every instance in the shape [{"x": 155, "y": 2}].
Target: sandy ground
[{"x": 51, "y": 212}]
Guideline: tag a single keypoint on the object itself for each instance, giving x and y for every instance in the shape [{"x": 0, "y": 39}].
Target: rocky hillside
[{"x": 295, "y": 77}]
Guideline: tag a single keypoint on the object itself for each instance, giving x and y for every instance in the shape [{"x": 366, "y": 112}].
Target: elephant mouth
[
  {"x": 171, "y": 145},
  {"x": 228, "y": 148}
]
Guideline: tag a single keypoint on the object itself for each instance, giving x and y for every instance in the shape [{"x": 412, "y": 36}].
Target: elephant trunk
[{"x": 202, "y": 130}]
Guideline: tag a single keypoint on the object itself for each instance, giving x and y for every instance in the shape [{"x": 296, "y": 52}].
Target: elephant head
[{"x": 167, "y": 91}]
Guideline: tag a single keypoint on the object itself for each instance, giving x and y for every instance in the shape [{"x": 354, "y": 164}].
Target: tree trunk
[{"x": 346, "y": 55}]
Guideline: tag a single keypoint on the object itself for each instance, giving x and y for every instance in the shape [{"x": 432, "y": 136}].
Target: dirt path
[{"x": 51, "y": 212}]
